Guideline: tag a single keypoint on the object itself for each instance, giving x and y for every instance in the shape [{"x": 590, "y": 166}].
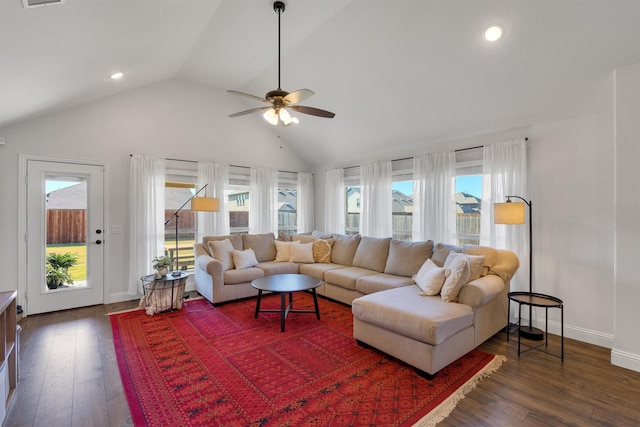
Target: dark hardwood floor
[{"x": 69, "y": 377}]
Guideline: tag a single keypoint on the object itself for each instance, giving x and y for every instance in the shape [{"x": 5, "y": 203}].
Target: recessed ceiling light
[
  {"x": 116, "y": 76},
  {"x": 493, "y": 33}
]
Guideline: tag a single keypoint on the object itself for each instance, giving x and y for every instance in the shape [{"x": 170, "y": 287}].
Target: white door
[{"x": 65, "y": 235}]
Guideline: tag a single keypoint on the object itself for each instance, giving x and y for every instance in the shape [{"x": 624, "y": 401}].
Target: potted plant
[
  {"x": 161, "y": 265},
  {"x": 64, "y": 260},
  {"x": 57, "y": 268},
  {"x": 56, "y": 276}
]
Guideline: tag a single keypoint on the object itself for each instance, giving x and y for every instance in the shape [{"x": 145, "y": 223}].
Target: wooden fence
[{"x": 66, "y": 226}]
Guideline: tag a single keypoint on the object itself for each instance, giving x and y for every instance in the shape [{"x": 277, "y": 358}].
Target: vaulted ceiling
[{"x": 396, "y": 73}]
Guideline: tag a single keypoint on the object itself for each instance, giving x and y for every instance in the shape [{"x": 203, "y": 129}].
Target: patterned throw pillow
[{"x": 322, "y": 250}]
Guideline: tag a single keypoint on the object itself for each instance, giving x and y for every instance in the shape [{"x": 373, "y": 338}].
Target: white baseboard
[
  {"x": 625, "y": 360},
  {"x": 575, "y": 332}
]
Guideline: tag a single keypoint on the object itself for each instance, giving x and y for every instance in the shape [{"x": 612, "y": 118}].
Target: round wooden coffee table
[{"x": 287, "y": 284}]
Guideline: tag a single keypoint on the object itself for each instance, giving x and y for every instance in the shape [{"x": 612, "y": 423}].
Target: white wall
[
  {"x": 175, "y": 119},
  {"x": 572, "y": 172},
  {"x": 626, "y": 345}
]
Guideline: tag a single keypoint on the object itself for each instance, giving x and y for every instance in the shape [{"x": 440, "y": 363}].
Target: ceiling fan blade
[
  {"x": 235, "y": 92},
  {"x": 298, "y": 96},
  {"x": 312, "y": 111},
  {"x": 253, "y": 110}
]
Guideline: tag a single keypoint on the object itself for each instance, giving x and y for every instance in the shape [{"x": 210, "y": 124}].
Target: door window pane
[{"x": 66, "y": 232}]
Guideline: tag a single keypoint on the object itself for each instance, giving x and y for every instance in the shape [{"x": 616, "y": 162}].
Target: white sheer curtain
[
  {"x": 146, "y": 220},
  {"x": 504, "y": 173},
  {"x": 304, "y": 196},
  {"x": 334, "y": 201},
  {"x": 376, "y": 218},
  {"x": 217, "y": 178},
  {"x": 434, "y": 205},
  {"x": 263, "y": 199}
]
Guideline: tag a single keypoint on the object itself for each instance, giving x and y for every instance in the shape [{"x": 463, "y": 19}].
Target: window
[
  {"x": 352, "y": 199},
  {"x": 468, "y": 196},
  {"x": 402, "y": 198},
  {"x": 287, "y": 210},
  {"x": 179, "y": 187}
]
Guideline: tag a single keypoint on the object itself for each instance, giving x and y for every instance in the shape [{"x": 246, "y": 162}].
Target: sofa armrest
[
  {"x": 481, "y": 291},
  {"x": 209, "y": 275}
]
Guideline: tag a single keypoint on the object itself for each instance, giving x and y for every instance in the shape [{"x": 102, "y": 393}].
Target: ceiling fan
[{"x": 279, "y": 99}]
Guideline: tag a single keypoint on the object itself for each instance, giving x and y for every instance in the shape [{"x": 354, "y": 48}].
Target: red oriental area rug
[{"x": 218, "y": 366}]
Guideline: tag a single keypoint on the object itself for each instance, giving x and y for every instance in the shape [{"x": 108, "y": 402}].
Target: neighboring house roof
[{"x": 73, "y": 197}]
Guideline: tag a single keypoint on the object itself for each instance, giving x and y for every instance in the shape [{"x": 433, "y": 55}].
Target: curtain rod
[
  {"x": 409, "y": 158},
  {"x": 235, "y": 166}
]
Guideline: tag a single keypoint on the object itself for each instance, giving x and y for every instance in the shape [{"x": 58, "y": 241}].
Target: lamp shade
[
  {"x": 205, "y": 204},
  {"x": 509, "y": 213}
]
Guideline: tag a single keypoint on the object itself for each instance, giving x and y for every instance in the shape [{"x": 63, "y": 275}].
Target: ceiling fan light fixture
[
  {"x": 285, "y": 117},
  {"x": 271, "y": 116}
]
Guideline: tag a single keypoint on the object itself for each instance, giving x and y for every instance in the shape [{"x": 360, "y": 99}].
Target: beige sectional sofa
[{"x": 375, "y": 277}]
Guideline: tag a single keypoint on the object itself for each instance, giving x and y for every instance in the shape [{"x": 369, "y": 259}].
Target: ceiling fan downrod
[{"x": 278, "y": 7}]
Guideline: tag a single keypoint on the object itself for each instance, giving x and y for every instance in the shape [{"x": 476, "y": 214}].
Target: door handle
[{"x": 97, "y": 242}]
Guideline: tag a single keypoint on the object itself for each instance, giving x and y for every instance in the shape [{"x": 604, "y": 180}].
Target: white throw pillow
[
  {"x": 283, "y": 252},
  {"x": 459, "y": 276},
  {"x": 302, "y": 252},
  {"x": 430, "y": 278},
  {"x": 244, "y": 259},
  {"x": 221, "y": 250}
]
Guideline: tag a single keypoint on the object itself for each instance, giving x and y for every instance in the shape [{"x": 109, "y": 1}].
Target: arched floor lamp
[
  {"x": 199, "y": 204},
  {"x": 514, "y": 213}
]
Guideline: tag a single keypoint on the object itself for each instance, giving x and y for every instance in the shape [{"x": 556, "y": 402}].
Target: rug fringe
[{"x": 443, "y": 410}]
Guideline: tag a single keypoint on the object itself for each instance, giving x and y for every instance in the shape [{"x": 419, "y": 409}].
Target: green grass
[{"x": 79, "y": 271}]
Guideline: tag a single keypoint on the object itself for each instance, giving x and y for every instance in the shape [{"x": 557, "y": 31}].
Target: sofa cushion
[
  {"x": 235, "y": 239},
  {"x": 490, "y": 256},
  {"x": 431, "y": 278},
  {"x": 222, "y": 251},
  {"x": 262, "y": 244},
  {"x": 233, "y": 277},
  {"x": 244, "y": 259},
  {"x": 283, "y": 253},
  {"x": 441, "y": 252},
  {"x": 301, "y": 252},
  {"x": 403, "y": 311},
  {"x": 276, "y": 267},
  {"x": 381, "y": 282},
  {"x": 459, "y": 276},
  {"x": 372, "y": 253},
  {"x": 344, "y": 248},
  {"x": 322, "y": 250},
  {"x": 302, "y": 238},
  {"x": 321, "y": 234},
  {"x": 406, "y": 258},
  {"x": 346, "y": 277},
  {"x": 318, "y": 270}
]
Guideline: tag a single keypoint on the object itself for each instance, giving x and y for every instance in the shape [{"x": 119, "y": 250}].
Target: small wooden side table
[{"x": 538, "y": 300}]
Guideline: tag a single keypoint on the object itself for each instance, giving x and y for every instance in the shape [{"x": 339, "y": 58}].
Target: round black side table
[{"x": 533, "y": 299}]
